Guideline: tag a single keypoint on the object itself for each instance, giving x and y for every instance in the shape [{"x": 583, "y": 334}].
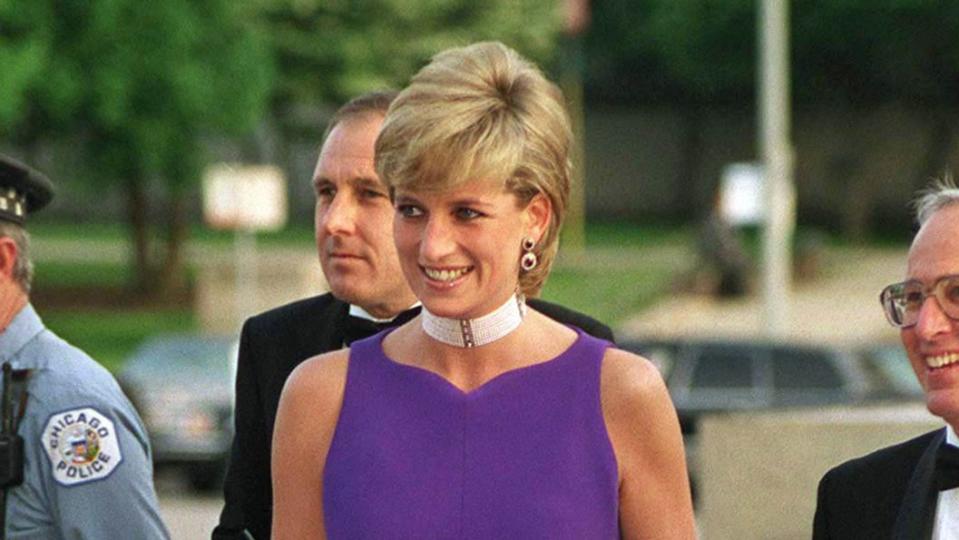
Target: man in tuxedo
[
  {"x": 354, "y": 238},
  {"x": 908, "y": 491}
]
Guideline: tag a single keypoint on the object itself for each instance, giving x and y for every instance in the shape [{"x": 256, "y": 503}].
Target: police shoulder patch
[{"x": 82, "y": 446}]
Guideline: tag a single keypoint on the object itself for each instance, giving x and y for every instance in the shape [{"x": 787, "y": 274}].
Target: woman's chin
[{"x": 448, "y": 311}]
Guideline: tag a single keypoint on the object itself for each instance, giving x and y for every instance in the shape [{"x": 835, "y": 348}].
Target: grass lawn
[
  {"x": 110, "y": 336},
  {"x": 88, "y": 274},
  {"x": 624, "y": 269},
  {"x": 610, "y": 295},
  {"x": 294, "y": 235}
]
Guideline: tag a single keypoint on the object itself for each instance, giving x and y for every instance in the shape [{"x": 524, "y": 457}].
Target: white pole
[{"x": 777, "y": 156}]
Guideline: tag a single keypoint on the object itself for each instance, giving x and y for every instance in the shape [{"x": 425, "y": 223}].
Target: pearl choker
[{"x": 476, "y": 332}]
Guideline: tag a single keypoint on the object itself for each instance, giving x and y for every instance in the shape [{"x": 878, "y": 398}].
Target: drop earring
[{"x": 529, "y": 260}]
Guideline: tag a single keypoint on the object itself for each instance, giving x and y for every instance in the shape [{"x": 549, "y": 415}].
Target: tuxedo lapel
[{"x": 918, "y": 509}]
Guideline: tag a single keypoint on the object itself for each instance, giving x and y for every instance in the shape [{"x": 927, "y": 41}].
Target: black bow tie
[
  {"x": 947, "y": 467},
  {"x": 359, "y": 328}
]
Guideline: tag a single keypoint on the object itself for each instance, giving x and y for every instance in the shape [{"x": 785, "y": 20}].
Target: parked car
[
  {"x": 182, "y": 386},
  {"x": 715, "y": 376},
  {"x": 712, "y": 376}
]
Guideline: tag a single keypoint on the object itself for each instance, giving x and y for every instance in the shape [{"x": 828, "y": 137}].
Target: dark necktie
[
  {"x": 359, "y": 328},
  {"x": 947, "y": 467}
]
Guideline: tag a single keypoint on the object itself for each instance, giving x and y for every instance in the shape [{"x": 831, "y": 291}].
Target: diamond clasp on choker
[{"x": 468, "y": 333}]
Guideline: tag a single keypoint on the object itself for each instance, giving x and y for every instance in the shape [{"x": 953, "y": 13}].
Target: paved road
[
  {"x": 188, "y": 515},
  {"x": 839, "y": 307}
]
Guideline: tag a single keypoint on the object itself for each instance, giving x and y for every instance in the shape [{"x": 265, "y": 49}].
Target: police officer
[{"x": 87, "y": 470}]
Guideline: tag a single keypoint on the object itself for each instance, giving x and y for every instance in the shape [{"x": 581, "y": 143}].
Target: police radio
[{"x": 11, "y": 444}]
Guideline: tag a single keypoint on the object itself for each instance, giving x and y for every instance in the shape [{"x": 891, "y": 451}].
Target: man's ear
[
  {"x": 8, "y": 256},
  {"x": 538, "y": 214}
]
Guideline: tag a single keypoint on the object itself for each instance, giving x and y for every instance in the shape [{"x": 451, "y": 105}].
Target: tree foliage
[
  {"x": 139, "y": 85},
  {"x": 844, "y": 51},
  {"x": 883, "y": 50},
  {"x": 330, "y": 50}
]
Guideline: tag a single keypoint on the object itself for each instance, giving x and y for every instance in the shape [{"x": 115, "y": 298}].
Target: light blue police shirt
[{"x": 88, "y": 471}]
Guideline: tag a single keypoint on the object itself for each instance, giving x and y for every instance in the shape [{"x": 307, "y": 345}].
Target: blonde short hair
[{"x": 482, "y": 112}]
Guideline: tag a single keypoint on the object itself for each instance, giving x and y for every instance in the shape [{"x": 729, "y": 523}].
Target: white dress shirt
[
  {"x": 946, "y": 526},
  {"x": 357, "y": 311}
]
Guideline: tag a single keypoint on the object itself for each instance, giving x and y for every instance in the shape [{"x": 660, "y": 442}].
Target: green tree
[
  {"x": 140, "y": 86},
  {"x": 849, "y": 51},
  {"x": 330, "y": 50}
]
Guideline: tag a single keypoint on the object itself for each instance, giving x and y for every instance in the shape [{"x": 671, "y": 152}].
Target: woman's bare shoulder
[
  {"x": 322, "y": 367},
  {"x": 644, "y": 431},
  {"x": 630, "y": 380},
  {"x": 306, "y": 419},
  {"x": 318, "y": 382},
  {"x": 636, "y": 405}
]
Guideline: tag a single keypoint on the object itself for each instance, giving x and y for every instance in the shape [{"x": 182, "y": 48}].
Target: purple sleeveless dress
[{"x": 526, "y": 455}]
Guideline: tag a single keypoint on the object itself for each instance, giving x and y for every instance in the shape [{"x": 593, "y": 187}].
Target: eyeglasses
[{"x": 902, "y": 301}]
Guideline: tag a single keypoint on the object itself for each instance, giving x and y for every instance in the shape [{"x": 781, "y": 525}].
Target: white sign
[
  {"x": 741, "y": 194},
  {"x": 247, "y": 197}
]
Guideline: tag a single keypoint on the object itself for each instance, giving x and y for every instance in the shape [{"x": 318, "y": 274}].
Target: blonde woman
[{"x": 480, "y": 418}]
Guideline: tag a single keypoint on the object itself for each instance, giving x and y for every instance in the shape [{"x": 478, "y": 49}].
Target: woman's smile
[{"x": 446, "y": 275}]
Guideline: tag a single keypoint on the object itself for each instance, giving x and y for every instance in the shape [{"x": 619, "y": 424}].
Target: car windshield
[
  {"x": 723, "y": 367},
  {"x": 800, "y": 369}
]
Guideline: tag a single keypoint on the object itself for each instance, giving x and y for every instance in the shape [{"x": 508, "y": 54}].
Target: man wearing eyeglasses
[{"x": 909, "y": 490}]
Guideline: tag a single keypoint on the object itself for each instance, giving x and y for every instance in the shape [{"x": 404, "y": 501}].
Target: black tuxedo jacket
[
  {"x": 889, "y": 493},
  {"x": 272, "y": 344}
]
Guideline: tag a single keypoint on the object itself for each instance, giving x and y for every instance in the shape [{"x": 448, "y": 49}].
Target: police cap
[{"x": 23, "y": 190}]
